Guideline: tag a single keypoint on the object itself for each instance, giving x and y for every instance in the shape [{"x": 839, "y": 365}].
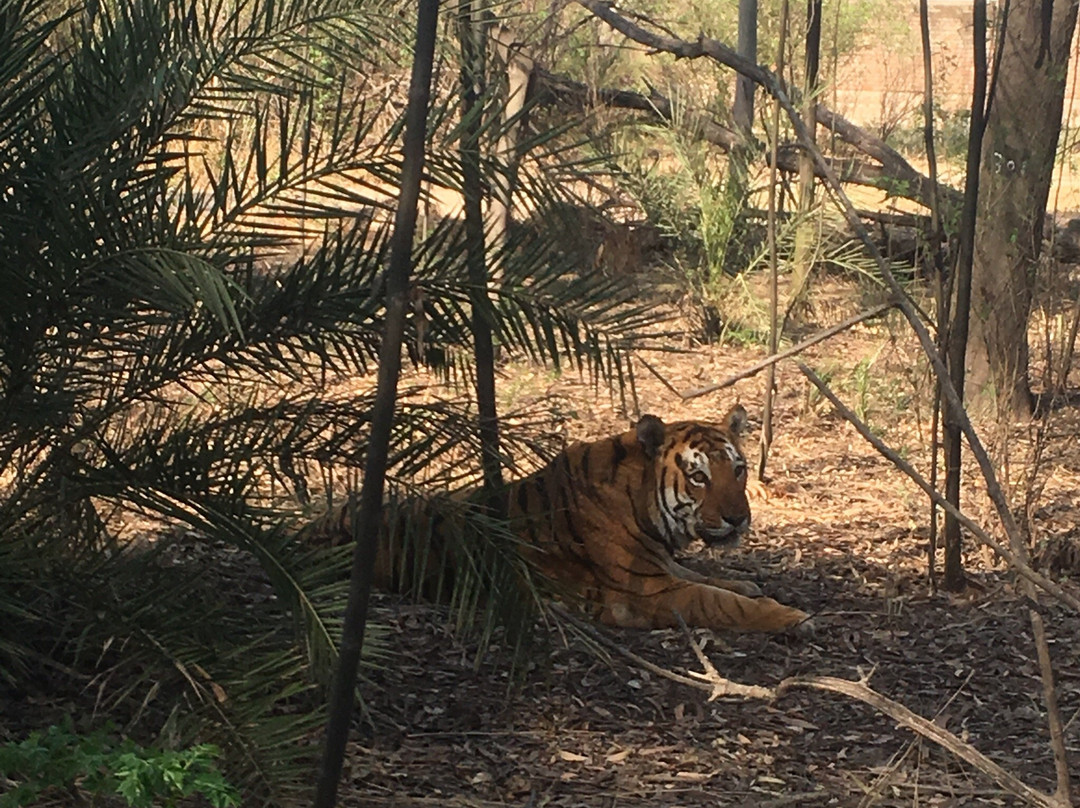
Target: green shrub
[{"x": 60, "y": 759}]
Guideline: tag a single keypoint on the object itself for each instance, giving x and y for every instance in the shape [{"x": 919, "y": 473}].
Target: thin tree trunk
[
  {"x": 473, "y": 67},
  {"x": 804, "y": 236},
  {"x": 774, "y": 270},
  {"x": 742, "y": 110},
  {"x": 954, "y": 579},
  {"x": 368, "y": 520},
  {"x": 1017, "y": 169},
  {"x": 519, "y": 74},
  {"x": 941, "y": 290}
]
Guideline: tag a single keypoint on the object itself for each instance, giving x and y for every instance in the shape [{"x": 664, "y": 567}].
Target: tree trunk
[
  {"x": 519, "y": 70},
  {"x": 368, "y": 521},
  {"x": 806, "y": 233},
  {"x": 1017, "y": 168},
  {"x": 774, "y": 293},
  {"x": 743, "y": 109},
  {"x": 473, "y": 40},
  {"x": 958, "y": 326}
]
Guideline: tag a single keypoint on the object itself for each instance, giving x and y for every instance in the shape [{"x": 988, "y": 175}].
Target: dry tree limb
[
  {"x": 908, "y": 182},
  {"x": 658, "y": 375},
  {"x": 860, "y": 691},
  {"x": 716, "y": 685},
  {"x": 893, "y": 173},
  {"x": 553, "y": 88},
  {"x": 896, "y": 176},
  {"x": 974, "y": 528},
  {"x": 898, "y": 168},
  {"x": 821, "y": 336},
  {"x": 597, "y": 636}
]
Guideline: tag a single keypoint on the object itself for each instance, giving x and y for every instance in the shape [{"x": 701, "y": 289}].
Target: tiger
[{"x": 604, "y": 520}]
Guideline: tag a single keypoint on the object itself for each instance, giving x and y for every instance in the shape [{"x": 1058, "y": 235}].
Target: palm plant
[{"x": 192, "y": 240}]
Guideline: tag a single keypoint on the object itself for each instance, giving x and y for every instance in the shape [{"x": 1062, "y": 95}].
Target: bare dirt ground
[{"x": 842, "y": 534}]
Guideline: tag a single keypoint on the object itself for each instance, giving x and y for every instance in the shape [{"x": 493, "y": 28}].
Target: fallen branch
[
  {"x": 860, "y": 691},
  {"x": 894, "y": 167},
  {"x": 710, "y": 681},
  {"x": 637, "y": 661},
  {"x": 718, "y": 684},
  {"x": 552, "y": 88},
  {"x": 902, "y": 171},
  {"x": 894, "y": 174},
  {"x": 809, "y": 342}
]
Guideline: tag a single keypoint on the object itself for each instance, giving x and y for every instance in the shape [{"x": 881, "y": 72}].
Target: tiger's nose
[{"x": 740, "y": 523}]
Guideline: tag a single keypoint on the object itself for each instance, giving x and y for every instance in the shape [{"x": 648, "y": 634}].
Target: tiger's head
[{"x": 700, "y": 479}]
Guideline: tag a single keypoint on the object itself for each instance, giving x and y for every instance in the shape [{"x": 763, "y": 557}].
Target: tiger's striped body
[{"x": 604, "y": 519}]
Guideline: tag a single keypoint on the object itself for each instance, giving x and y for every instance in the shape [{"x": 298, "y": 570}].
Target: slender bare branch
[
  {"x": 658, "y": 375},
  {"x": 1053, "y": 711},
  {"x": 809, "y": 342}
]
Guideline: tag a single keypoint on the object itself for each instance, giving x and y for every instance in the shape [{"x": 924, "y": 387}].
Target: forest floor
[{"x": 840, "y": 533}]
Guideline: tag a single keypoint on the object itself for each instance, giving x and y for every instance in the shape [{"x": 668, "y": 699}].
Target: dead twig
[
  {"x": 799, "y": 798},
  {"x": 720, "y": 686},
  {"x": 809, "y": 342}
]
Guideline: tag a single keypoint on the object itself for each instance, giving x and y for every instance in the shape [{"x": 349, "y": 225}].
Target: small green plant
[
  {"x": 861, "y": 375},
  {"x": 59, "y": 759}
]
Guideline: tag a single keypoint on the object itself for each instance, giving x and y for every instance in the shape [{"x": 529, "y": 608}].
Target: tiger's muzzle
[{"x": 728, "y": 534}]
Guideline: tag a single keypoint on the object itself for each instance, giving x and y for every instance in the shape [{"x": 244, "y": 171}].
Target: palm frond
[{"x": 193, "y": 237}]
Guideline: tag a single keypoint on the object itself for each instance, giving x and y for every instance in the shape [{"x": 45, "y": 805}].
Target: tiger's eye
[{"x": 699, "y": 477}]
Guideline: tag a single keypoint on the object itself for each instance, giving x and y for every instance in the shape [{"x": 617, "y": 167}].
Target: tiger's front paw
[{"x": 805, "y": 628}]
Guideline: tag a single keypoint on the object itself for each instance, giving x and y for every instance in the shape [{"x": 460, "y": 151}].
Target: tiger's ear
[
  {"x": 737, "y": 420},
  {"x": 650, "y": 434}
]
